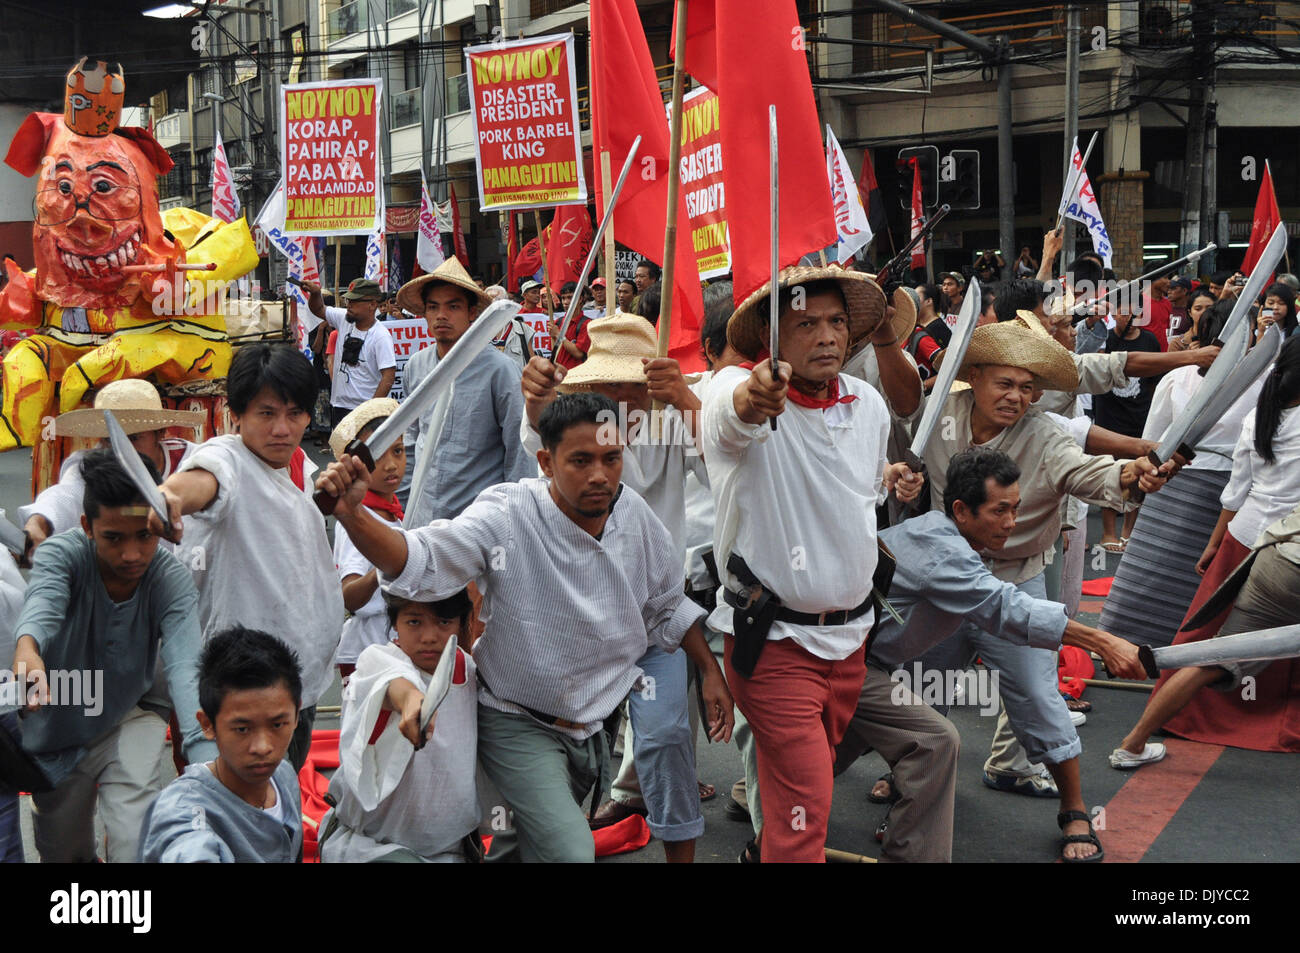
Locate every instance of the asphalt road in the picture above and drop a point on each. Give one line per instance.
(1202, 804)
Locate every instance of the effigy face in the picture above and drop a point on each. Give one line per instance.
(96, 210)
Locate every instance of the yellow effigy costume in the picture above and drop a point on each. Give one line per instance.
(106, 300)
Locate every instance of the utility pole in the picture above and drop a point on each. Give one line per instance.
(1006, 179)
(1072, 31)
(1193, 212)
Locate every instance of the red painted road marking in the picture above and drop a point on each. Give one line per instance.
(1148, 801)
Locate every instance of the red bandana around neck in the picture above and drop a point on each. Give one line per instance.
(377, 502)
(807, 400)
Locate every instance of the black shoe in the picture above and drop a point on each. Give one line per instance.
(736, 811)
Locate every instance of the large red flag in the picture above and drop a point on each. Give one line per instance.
(626, 102)
(918, 214)
(568, 239)
(872, 199)
(1267, 219)
(760, 59)
(457, 236)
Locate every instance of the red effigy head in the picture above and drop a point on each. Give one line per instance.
(96, 206)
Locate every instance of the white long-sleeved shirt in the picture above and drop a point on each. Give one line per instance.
(261, 559)
(799, 504)
(1262, 493)
(567, 615)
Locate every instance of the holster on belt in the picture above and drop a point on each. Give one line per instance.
(751, 620)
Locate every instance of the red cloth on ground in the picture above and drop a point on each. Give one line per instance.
(631, 833)
(322, 756)
(1269, 721)
(1073, 665)
(1098, 587)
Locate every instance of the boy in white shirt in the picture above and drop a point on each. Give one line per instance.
(405, 795)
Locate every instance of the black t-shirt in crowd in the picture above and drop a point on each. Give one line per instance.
(1124, 410)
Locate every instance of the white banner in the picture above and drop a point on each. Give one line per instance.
(851, 220)
(225, 201)
(409, 336)
(1080, 204)
(377, 258)
(428, 247)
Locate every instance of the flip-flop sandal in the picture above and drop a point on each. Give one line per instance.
(751, 853)
(1065, 817)
(889, 798)
(1115, 547)
(1076, 704)
(707, 791)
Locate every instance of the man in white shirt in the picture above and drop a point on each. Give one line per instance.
(795, 535)
(365, 364)
(578, 578)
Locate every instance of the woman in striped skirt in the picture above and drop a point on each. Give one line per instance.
(1156, 578)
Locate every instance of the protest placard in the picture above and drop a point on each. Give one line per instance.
(329, 150)
(524, 105)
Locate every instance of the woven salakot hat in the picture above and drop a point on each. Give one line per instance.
(411, 295)
(617, 345)
(136, 405)
(1012, 344)
(356, 421)
(747, 328)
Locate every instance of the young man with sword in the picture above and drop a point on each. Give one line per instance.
(579, 579)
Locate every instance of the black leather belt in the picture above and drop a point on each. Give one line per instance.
(740, 602)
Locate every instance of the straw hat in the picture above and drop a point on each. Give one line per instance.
(411, 295)
(1011, 344)
(136, 405)
(356, 421)
(617, 345)
(907, 305)
(1030, 320)
(747, 329)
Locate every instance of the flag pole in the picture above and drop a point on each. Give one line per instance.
(606, 185)
(674, 184)
(546, 283)
(1286, 252)
(1074, 181)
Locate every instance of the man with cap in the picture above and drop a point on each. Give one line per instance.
(1180, 295)
(1006, 365)
(365, 362)
(795, 534)
(469, 439)
(953, 285)
(658, 774)
(138, 408)
(597, 298)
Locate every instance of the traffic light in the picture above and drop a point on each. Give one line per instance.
(959, 179)
(928, 158)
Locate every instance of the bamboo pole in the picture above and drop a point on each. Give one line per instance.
(674, 186)
(606, 185)
(1119, 683)
(834, 856)
(338, 251)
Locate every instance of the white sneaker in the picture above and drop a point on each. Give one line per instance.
(1124, 760)
(1077, 718)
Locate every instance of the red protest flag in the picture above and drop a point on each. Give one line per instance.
(918, 213)
(1267, 219)
(701, 42)
(872, 199)
(457, 236)
(528, 262)
(764, 32)
(626, 102)
(568, 239)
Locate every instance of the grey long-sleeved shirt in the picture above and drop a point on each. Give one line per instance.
(479, 444)
(79, 628)
(941, 582)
